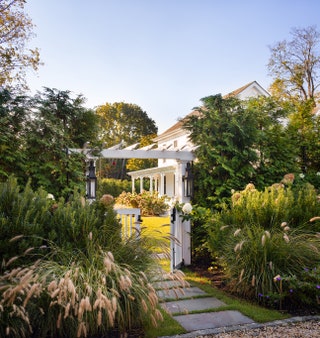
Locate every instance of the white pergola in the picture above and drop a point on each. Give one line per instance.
(156, 175)
(180, 230)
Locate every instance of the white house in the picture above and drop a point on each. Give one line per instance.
(168, 177)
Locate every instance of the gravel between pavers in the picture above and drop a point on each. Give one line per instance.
(293, 328)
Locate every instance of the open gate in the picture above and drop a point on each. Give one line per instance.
(180, 240)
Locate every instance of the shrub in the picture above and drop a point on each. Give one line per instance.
(113, 186)
(65, 268)
(90, 295)
(254, 256)
(265, 234)
(150, 203)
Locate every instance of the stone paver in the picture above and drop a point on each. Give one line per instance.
(188, 305)
(168, 284)
(179, 302)
(180, 293)
(211, 320)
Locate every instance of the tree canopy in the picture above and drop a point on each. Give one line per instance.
(124, 123)
(238, 142)
(35, 134)
(15, 31)
(295, 65)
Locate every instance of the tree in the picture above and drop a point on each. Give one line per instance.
(295, 67)
(124, 123)
(15, 31)
(238, 142)
(277, 150)
(14, 113)
(58, 122)
(138, 163)
(225, 134)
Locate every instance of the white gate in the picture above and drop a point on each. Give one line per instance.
(180, 236)
(130, 219)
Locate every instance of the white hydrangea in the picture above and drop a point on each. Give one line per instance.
(187, 208)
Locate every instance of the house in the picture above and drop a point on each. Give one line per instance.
(169, 177)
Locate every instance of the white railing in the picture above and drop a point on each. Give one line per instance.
(130, 219)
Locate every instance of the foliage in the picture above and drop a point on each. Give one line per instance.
(238, 141)
(59, 122)
(139, 164)
(272, 206)
(150, 203)
(72, 266)
(254, 256)
(224, 135)
(89, 295)
(113, 186)
(295, 65)
(125, 124)
(15, 31)
(277, 149)
(266, 233)
(14, 112)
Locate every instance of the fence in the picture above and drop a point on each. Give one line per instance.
(130, 219)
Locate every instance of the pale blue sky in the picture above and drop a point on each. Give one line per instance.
(163, 55)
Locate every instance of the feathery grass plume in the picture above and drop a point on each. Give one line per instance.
(283, 224)
(237, 232)
(15, 238)
(263, 239)
(253, 280)
(316, 218)
(286, 238)
(11, 260)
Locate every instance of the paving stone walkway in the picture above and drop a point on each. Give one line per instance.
(193, 309)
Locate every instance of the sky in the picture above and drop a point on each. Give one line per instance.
(162, 55)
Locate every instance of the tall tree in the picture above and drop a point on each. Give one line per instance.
(59, 122)
(276, 149)
(15, 31)
(295, 67)
(124, 123)
(14, 114)
(225, 134)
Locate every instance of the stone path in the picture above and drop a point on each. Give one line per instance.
(195, 310)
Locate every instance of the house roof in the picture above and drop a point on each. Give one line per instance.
(242, 91)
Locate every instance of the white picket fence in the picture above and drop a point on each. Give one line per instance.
(130, 218)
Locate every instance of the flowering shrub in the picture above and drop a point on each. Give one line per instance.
(267, 234)
(150, 204)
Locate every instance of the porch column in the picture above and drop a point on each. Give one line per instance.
(161, 184)
(133, 188)
(151, 184)
(141, 183)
